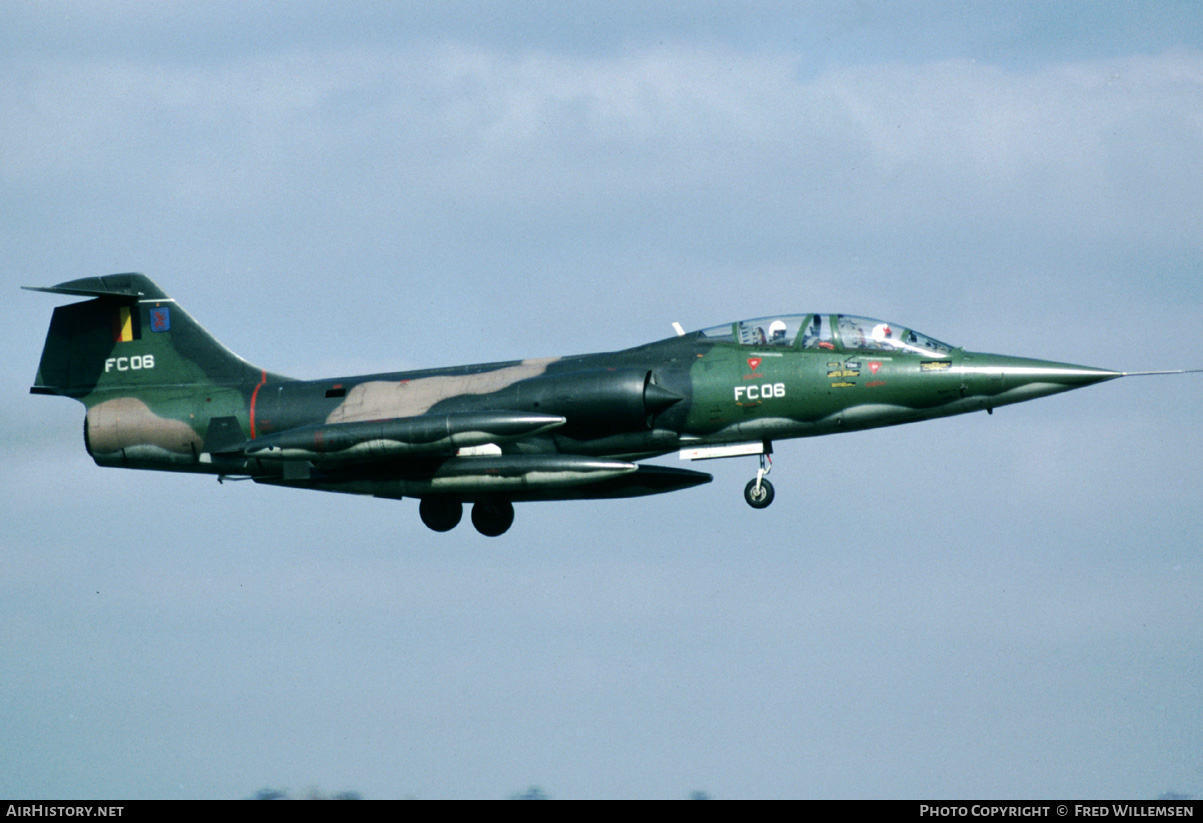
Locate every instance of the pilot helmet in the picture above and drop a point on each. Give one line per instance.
(776, 331)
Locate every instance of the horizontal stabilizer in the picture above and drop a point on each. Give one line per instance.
(428, 434)
(131, 284)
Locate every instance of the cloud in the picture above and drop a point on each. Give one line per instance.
(672, 168)
(461, 119)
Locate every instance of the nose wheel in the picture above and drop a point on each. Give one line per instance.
(759, 492)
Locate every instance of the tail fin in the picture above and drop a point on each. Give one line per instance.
(131, 336)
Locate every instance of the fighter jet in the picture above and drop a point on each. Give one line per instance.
(161, 393)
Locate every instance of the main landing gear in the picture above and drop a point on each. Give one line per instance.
(490, 517)
(441, 513)
(759, 492)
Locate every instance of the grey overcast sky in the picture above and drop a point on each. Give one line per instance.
(986, 606)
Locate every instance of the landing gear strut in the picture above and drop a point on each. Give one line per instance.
(759, 492)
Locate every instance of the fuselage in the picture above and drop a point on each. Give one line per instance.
(707, 392)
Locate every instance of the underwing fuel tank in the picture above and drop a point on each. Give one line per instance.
(547, 477)
(429, 434)
(511, 476)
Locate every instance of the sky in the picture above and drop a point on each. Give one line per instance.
(1002, 606)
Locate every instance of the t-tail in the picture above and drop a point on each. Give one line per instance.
(158, 388)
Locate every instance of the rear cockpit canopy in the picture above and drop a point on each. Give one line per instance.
(843, 332)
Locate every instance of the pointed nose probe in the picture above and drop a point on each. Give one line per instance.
(1014, 372)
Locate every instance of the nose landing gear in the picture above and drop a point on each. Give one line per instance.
(759, 492)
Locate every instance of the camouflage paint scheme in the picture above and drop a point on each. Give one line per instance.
(161, 393)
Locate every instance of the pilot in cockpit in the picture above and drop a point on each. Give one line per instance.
(810, 337)
(777, 333)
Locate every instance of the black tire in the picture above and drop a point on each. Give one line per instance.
(761, 500)
(493, 517)
(442, 514)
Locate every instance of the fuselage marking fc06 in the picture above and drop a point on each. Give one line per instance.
(765, 391)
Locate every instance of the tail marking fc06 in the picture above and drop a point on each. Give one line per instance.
(134, 363)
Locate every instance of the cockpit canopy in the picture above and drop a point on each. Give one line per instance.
(843, 332)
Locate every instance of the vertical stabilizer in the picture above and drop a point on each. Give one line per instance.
(158, 388)
(130, 336)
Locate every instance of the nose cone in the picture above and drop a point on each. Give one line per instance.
(1007, 379)
(1013, 370)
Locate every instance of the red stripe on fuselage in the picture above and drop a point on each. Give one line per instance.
(254, 397)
